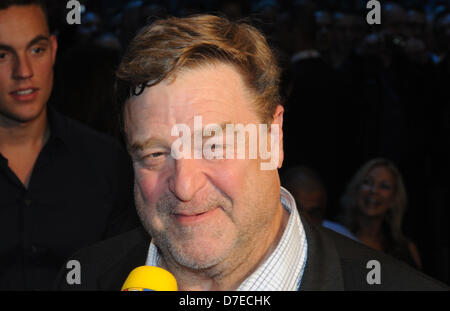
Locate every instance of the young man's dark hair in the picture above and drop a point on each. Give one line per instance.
(43, 4)
(4, 4)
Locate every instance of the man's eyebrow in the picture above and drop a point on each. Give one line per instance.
(156, 141)
(213, 127)
(38, 39)
(6, 48)
(148, 143)
(31, 43)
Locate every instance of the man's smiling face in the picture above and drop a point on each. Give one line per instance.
(200, 212)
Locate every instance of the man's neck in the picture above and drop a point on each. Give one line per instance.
(19, 135)
(21, 143)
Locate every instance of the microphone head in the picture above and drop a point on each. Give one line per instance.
(149, 278)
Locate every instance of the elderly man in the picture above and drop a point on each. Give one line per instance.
(216, 222)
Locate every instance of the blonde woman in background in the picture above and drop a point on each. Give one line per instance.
(374, 205)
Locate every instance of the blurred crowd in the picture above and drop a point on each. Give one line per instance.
(352, 91)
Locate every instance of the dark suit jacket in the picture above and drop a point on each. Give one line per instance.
(334, 263)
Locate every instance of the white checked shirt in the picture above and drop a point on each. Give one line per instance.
(283, 269)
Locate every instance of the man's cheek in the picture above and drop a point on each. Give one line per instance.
(146, 185)
(146, 201)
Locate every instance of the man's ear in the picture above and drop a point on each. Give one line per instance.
(54, 47)
(278, 120)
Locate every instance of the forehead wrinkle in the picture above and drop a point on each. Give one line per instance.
(234, 82)
(222, 126)
(193, 89)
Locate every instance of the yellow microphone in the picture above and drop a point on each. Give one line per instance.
(149, 278)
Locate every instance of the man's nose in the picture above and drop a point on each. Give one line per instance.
(187, 180)
(22, 68)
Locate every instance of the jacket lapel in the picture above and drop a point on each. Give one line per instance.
(323, 270)
(134, 256)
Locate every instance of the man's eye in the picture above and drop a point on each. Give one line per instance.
(214, 146)
(153, 160)
(38, 50)
(3, 55)
(154, 156)
(157, 154)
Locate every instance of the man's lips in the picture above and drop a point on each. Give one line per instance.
(193, 218)
(25, 94)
